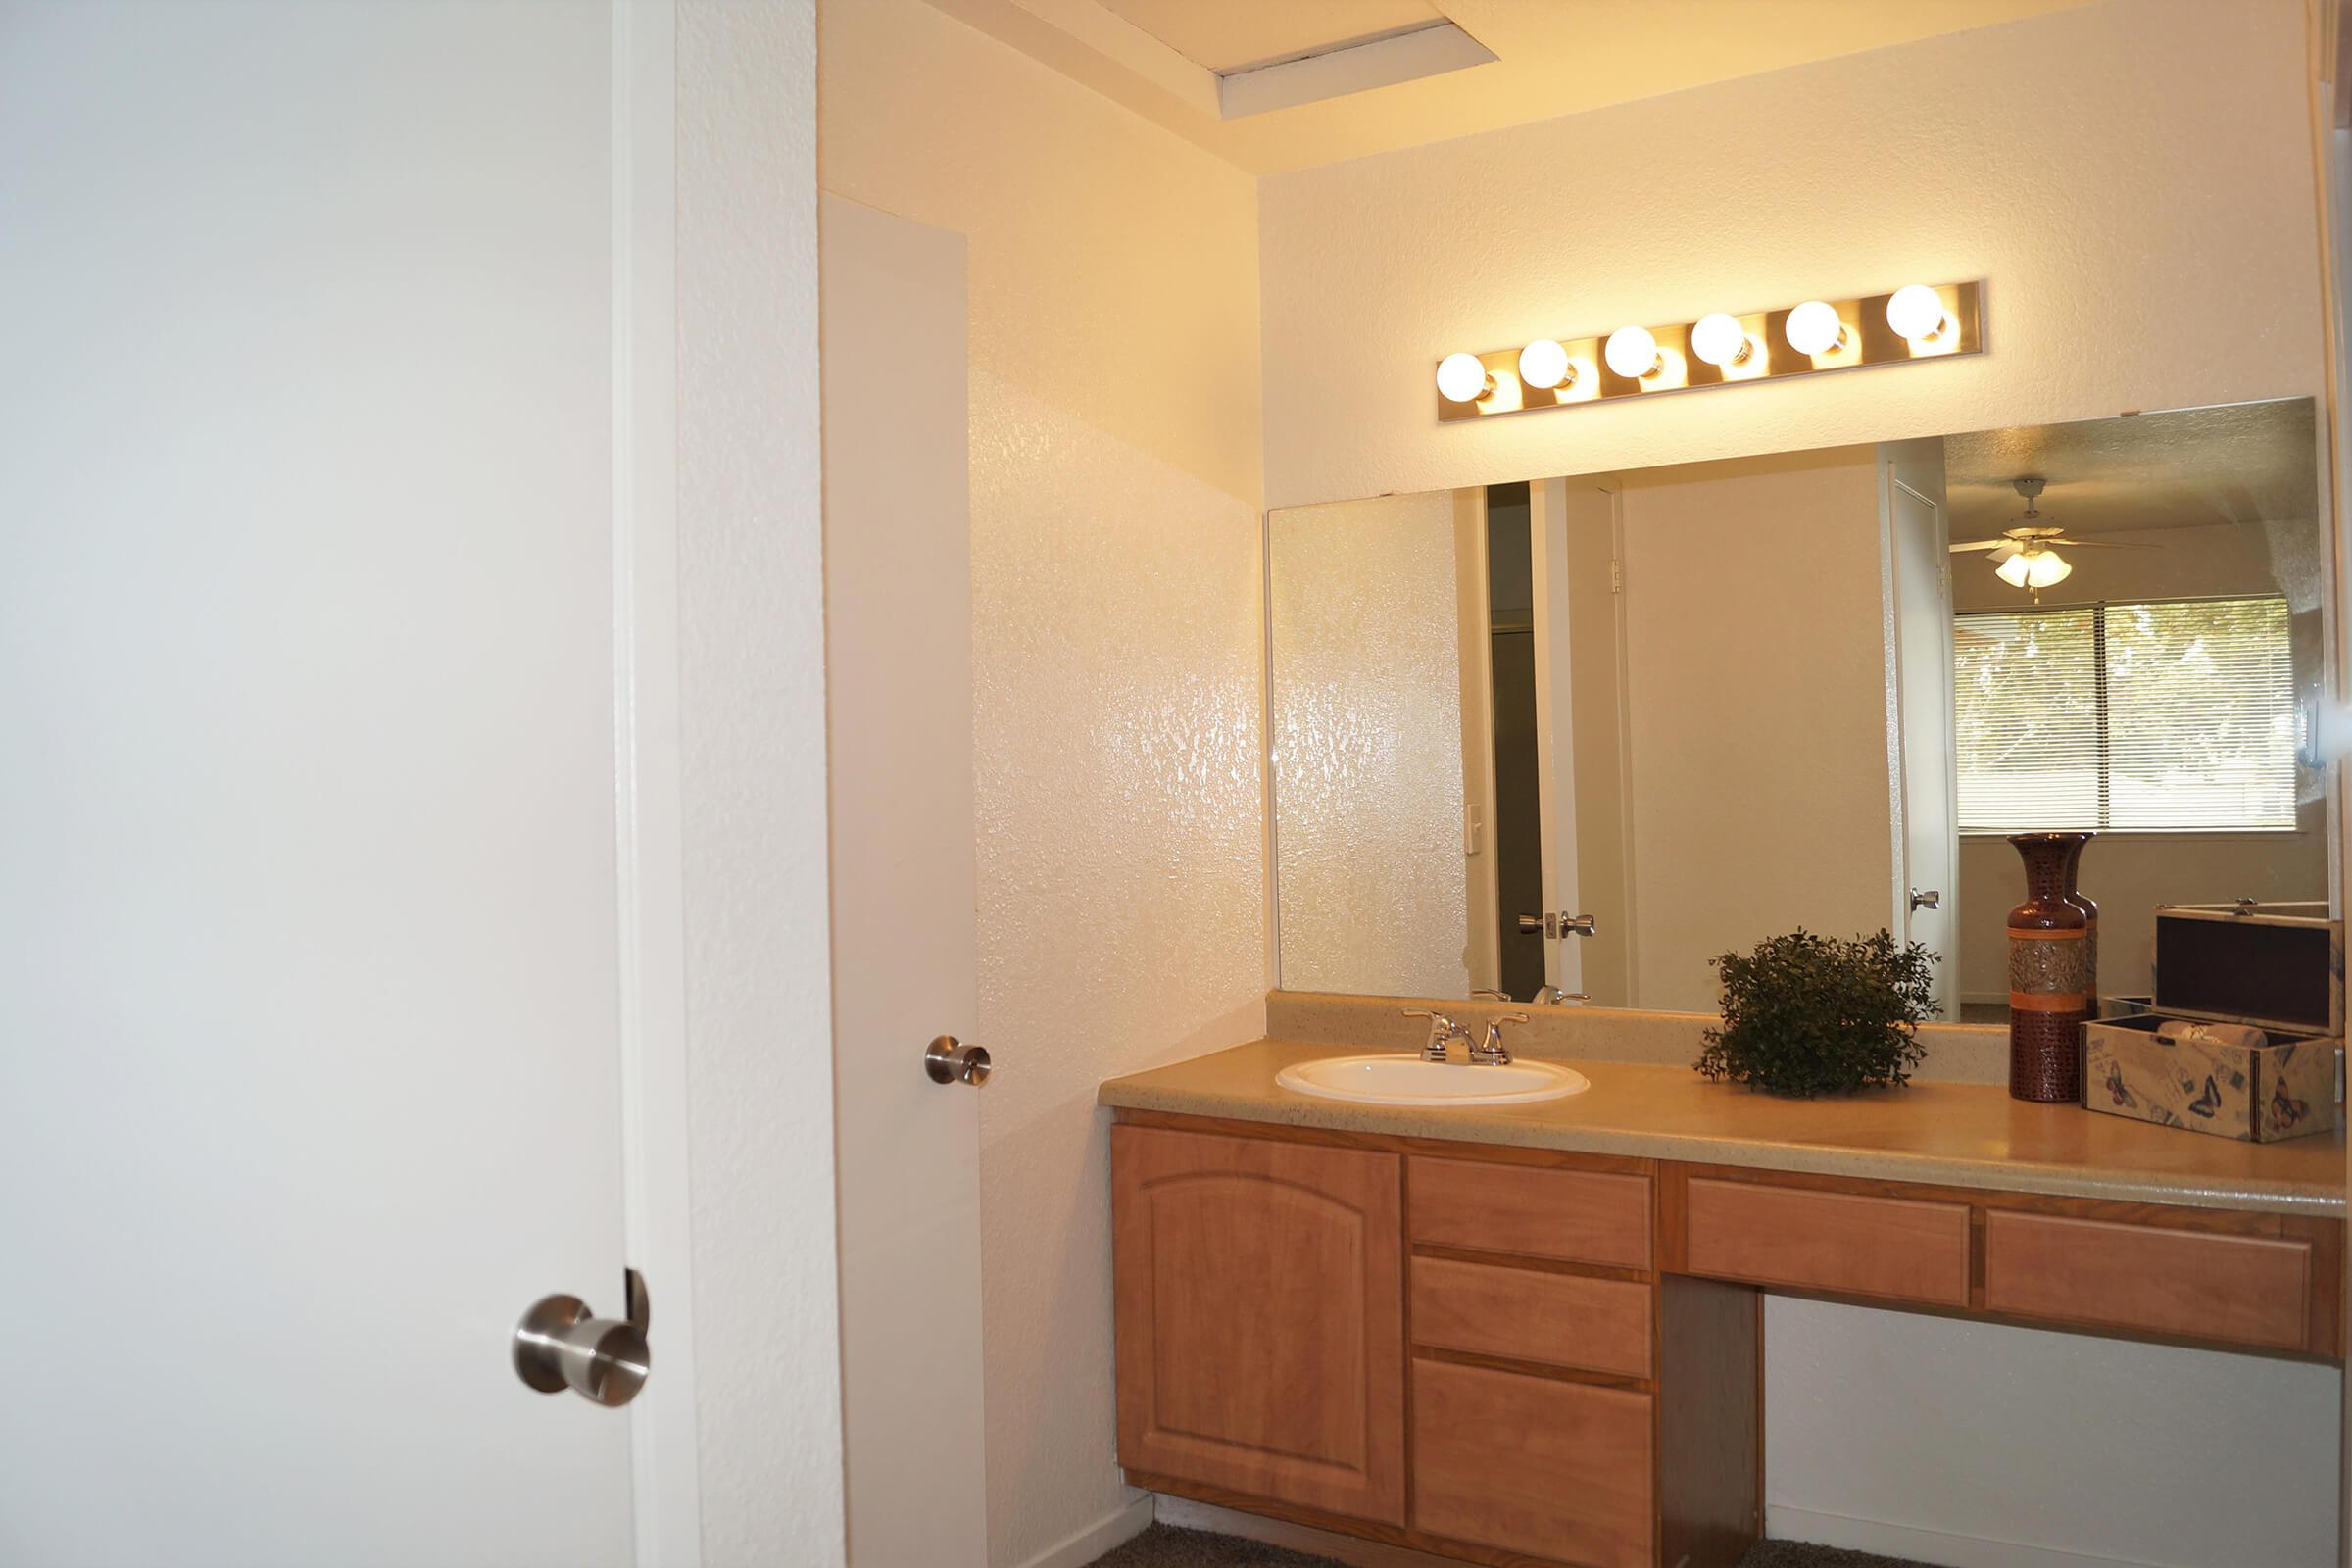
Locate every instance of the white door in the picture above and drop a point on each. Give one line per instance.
(1926, 893)
(1579, 737)
(309, 1026)
(899, 696)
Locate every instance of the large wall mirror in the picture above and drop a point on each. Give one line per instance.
(1571, 737)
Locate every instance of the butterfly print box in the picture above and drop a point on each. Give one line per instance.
(2277, 968)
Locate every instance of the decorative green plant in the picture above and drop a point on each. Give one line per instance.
(1807, 1015)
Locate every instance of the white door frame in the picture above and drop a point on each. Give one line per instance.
(649, 817)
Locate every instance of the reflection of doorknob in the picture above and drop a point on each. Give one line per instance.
(559, 1345)
(1556, 925)
(949, 1059)
(1933, 899)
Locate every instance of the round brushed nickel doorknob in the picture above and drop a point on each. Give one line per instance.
(949, 1059)
(561, 1345)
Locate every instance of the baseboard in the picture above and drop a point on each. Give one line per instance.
(1926, 1546)
(1120, 1525)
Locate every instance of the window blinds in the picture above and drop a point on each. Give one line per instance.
(2173, 715)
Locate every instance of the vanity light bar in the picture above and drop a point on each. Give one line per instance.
(1918, 322)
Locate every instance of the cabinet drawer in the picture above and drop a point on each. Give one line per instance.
(1579, 1216)
(2244, 1289)
(1556, 1470)
(1898, 1248)
(1563, 1319)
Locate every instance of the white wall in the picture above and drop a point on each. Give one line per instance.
(2134, 179)
(1756, 671)
(1115, 496)
(752, 717)
(1367, 739)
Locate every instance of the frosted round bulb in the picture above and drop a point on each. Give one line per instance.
(1719, 339)
(1632, 352)
(1813, 327)
(1916, 312)
(1544, 365)
(1461, 378)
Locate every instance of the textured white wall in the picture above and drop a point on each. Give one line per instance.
(2133, 179)
(751, 718)
(1115, 494)
(1367, 741)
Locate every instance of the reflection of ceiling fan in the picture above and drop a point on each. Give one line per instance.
(2021, 557)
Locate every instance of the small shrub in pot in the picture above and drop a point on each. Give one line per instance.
(1806, 1014)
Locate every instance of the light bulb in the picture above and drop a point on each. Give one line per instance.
(1544, 365)
(1463, 378)
(1813, 327)
(1719, 339)
(1916, 314)
(1632, 352)
(2013, 570)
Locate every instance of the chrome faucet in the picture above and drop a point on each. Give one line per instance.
(1443, 1032)
(1492, 1051)
(1551, 993)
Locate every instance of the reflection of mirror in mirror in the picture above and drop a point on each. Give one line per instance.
(1577, 736)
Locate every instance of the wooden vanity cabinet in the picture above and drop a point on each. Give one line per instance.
(1525, 1357)
(1259, 1293)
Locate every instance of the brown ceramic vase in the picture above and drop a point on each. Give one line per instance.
(2050, 958)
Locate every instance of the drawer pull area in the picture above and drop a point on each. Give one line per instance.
(1575, 1216)
(2240, 1289)
(1902, 1249)
(1558, 1319)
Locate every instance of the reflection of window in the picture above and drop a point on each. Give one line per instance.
(2175, 714)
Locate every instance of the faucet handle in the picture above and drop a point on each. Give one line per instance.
(1488, 994)
(1492, 1051)
(1443, 1031)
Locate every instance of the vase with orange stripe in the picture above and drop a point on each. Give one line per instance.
(2050, 956)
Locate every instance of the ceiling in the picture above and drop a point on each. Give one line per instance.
(1234, 35)
(1176, 61)
(2249, 462)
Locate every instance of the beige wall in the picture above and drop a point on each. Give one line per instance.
(2134, 181)
(2131, 179)
(1367, 738)
(1756, 667)
(1115, 496)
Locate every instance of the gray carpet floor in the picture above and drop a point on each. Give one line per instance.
(1164, 1547)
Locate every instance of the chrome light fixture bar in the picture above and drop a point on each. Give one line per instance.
(1804, 339)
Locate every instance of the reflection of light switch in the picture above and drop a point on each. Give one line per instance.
(1469, 831)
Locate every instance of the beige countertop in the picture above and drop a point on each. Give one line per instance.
(1949, 1134)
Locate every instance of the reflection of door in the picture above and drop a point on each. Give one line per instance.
(1509, 638)
(312, 978)
(1911, 476)
(899, 662)
(1580, 750)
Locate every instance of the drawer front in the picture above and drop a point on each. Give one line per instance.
(1898, 1248)
(1579, 1216)
(2241, 1289)
(1562, 1319)
(1556, 1470)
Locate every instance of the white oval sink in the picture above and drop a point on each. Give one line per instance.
(1407, 1080)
